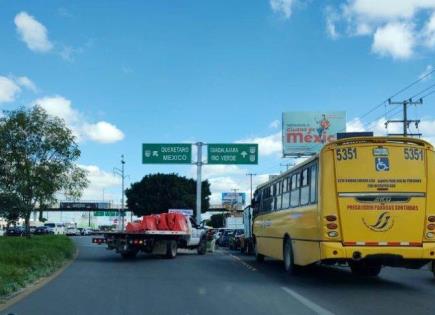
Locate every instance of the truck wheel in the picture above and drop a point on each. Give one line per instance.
(258, 257)
(171, 249)
(289, 261)
(364, 269)
(202, 246)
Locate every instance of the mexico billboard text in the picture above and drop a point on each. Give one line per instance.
(305, 133)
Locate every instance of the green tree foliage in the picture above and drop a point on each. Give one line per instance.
(10, 207)
(217, 220)
(37, 159)
(157, 193)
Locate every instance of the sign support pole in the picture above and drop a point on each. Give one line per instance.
(198, 182)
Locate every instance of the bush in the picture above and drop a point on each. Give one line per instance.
(24, 260)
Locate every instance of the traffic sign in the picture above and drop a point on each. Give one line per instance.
(245, 153)
(166, 153)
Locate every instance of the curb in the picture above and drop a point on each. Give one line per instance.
(26, 291)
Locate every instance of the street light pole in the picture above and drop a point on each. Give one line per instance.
(120, 172)
(250, 175)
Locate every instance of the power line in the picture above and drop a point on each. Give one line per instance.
(422, 91)
(430, 93)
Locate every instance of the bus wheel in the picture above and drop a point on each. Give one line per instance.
(289, 262)
(361, 268)
(258, 257)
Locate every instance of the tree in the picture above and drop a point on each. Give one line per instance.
(37, 159)
(157, 193)
(10, 207)
(217, 220)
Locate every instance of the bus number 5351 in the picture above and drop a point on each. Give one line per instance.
(344, 154)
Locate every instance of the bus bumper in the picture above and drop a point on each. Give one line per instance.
(336, 250)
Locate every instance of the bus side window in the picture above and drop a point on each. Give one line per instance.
(313, 183)
(305, 189)
(294, 195)
(286, 194)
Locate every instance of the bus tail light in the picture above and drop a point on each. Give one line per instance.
(331, 226)
(429, 235)
(431, 218)
(331, 218)
(431, 227)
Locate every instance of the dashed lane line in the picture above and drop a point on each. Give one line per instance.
(251, 268)
(311, 305)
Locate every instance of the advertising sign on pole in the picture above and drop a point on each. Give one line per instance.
(305, 133)
(233, 199)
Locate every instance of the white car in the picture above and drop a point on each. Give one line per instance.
(55, 228)
(73, 231)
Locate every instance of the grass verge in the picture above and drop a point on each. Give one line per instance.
(24, 260)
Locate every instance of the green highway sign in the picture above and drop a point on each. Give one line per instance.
(166, 153)
(243, 153)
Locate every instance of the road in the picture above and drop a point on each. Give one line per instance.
(100, 282)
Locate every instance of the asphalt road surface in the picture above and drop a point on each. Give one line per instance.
(101, 282)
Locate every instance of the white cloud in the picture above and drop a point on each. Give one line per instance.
(332, 17)
(100, 180)
(32, 32)
(394, 39)
(427, 73)
(283, 7)
(27, 83)
(395, 28)
(268, 145)
(355, 125)
(275, 124)
(61, 107)
(103, 132)
(8, 90)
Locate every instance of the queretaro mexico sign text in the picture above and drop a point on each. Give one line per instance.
(166, 153)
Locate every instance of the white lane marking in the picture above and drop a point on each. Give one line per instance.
(311, 305)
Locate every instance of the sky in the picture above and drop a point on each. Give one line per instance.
(123, 73)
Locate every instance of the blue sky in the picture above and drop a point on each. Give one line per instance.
(124, 73)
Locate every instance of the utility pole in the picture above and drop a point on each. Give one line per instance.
(198, 182)
(235, 198)
(120, 172)
(405, 121)
(250, 175)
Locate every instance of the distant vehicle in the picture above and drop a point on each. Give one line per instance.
(15, 231)
(55, 228)
(234, 240)
(224, 239)
(88, 231)
(81, 231)
(42, 230)
(32, 229)
(246, 240)
(72, 231)
(367, 201)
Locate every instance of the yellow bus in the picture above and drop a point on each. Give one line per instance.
(367, 201)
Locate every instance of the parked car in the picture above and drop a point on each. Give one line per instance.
(32, 229)
(15, 231)
(88, 231)
(42, 230)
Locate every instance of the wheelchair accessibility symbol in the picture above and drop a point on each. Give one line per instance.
(382, 164)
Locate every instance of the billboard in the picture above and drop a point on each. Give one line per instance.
(305, 133)
(233, 199)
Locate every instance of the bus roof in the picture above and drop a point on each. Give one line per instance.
(355, 140)
(378, 140)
